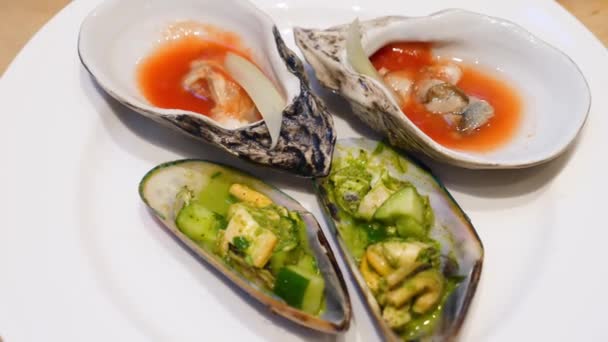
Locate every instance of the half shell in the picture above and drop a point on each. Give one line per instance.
(539, 72)
(159, 190)
(451, 228)
(116, 35)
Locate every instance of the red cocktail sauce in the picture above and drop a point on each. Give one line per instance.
(160, 75)
(413, 57)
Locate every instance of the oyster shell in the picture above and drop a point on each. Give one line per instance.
(451, 228)
(162, 191)
(488, 42)
(117, 34)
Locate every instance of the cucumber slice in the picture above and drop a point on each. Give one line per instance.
(216, 196)
(307, 264)
(405, 202)
(409, 227)
(198, 223)
(372, 201)
(278, 260)
(300, 289)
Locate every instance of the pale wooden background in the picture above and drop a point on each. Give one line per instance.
(20, 19)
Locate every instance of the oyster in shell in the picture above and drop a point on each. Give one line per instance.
(118, 34)
(545, 128)
(413, 252)
(214, 210)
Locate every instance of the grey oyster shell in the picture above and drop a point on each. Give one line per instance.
(325, 50)
(490, 42)
(111, 44)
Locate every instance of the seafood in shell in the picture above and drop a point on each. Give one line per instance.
(414, 254)
(186, 196)
(111, 43)
(488, 42)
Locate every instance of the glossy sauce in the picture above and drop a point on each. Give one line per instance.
(413, 57)
(160, 75)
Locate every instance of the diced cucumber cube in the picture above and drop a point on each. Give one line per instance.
(198, 223)
(300, 289)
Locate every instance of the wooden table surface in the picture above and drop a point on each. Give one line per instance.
(19, 20)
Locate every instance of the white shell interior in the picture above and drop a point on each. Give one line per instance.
(555, 95)
(118, 34)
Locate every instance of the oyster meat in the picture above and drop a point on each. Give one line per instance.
(233, 108)
(262, 240)
(413, 252)
(305, 141)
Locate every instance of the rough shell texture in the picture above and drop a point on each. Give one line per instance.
(325, 51)
(159, 188)
(451, 228)
(307, 136)
(111, 44)
(493, 44)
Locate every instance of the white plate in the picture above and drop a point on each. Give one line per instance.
(82, 260)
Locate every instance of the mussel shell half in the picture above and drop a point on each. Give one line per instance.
(158, 189)
(111, 42)
(452, 229)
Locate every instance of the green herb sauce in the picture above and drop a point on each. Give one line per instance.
(353, 177)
